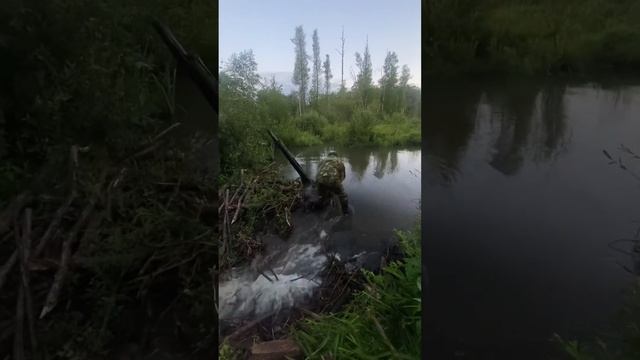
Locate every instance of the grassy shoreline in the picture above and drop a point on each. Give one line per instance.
(383, 319)
(532, 37)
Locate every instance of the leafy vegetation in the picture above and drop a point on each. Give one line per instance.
(531, 36)
(93, 76)
(383, 321)
(388, 114)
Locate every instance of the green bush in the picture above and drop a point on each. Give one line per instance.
(533, 37)
(383, 321)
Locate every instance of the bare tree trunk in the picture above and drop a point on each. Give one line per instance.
(382, 88)
(342, 62)
(300, 94)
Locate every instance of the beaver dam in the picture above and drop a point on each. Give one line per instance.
(307, 261)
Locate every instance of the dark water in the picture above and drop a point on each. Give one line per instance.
(383, 186)
(519, 205)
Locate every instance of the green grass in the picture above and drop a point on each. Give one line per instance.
(382, 322)
(364, 128)
(533, 37)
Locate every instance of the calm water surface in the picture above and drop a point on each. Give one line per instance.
(519, 205)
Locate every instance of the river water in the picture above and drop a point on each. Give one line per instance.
(383, 187)
(519, 205)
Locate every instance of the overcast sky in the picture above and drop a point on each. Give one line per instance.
(266, 27)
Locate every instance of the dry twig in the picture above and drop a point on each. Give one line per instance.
(54, 291)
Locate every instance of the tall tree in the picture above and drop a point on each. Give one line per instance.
(241, 74)
(389, 80)
(301, 67)
(341, 52)
(327, 76)
(317, 68)
(404, 81)
(364, 77)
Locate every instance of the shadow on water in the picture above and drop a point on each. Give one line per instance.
(514, 109)
(520, 211)
(449, 127)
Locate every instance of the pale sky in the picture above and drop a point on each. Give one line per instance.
(266, 27)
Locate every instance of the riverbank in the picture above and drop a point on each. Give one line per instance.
(360, 314)
(366, 242)
(364, 128)
(543, 37)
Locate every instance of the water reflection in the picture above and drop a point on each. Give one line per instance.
(519, 121)
(520, 208)
(383, 187)
(386, 162)
(514, 109)
(359, 162)
(449, 126)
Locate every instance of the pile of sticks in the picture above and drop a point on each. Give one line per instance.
(33, 238)
(269, 196)
(48, 231)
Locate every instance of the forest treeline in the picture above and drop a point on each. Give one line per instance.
(87, 73)
(386, 112)
(531, 37)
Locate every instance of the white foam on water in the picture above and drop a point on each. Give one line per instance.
(250, 294)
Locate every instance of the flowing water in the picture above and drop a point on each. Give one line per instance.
(383, 187)
(520, 204)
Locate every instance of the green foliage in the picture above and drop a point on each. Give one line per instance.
(226, 352)
(356, 117)
(326, 66)
(85, 72)
(241, 141)
(363, 83)
(383, 321)
(301, 67)
(95, 73)
(316, 82)
(360, 126)
(532, 37)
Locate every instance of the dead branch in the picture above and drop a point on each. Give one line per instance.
(53, 225)
(54, 291)
(24, 249)
(239, 206)
(152, 145)
(265, 275)
(18, 340)
(55, 222)
(235, 193)
(165, 132)
(225, 224)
